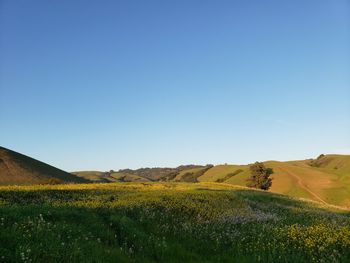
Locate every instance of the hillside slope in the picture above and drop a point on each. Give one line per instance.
(19, 169)
(325, 179)
(110, 177)
(183, 173)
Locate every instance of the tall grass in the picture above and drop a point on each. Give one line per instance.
(168, 222)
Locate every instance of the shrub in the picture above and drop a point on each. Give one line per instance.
(318, 162)
(53, 181)
(320, 156)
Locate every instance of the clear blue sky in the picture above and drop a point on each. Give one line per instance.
(115, 84)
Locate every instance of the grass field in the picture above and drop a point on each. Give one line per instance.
(167, 222)
(327, 180)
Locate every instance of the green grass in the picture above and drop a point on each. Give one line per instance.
(89, 175)
(125, 177)
(327, 179)
(218, 172)
(167, 222)
(98, 177)
(183, 175)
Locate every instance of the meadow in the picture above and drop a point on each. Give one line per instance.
(325, 179)
(167, 222)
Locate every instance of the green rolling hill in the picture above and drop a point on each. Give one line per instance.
(183, 173)
(325, 179)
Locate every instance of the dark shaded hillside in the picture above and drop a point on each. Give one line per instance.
(19, 169)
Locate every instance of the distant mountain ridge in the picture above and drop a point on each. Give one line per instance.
(19, 169)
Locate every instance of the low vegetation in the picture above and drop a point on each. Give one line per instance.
(318, 161)
(228, 176)
(167, 222)
(192, 175)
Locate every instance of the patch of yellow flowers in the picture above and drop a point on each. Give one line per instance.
(320, 235)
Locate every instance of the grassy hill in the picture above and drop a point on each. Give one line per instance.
(325, 179)
(183, 173)
(19, 169)
(94, 176)
(167, 222)
(220, 172)
(191, 175)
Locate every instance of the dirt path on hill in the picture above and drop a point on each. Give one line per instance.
(300, 183)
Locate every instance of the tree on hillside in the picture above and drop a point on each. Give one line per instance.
(260, 176)
(318, 161)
